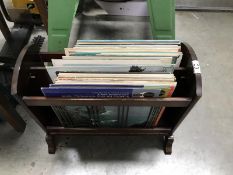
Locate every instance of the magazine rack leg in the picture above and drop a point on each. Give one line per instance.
(168, 141)
(51, 144)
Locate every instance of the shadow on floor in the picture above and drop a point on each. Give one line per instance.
(110, 27)
(111, 148)
(8, 134)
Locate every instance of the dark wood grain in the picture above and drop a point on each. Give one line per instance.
(51, 144)
(168, 142)
(189, 84)
(46, 101)
(10, 115)
(20, 74)
(107, 131)
(195, 90)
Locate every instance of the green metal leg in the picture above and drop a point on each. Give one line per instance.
(162, 18)
(60, 17)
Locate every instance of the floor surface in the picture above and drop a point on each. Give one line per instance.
(203, 143)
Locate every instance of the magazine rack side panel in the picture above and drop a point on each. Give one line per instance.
(25, 82)
(189, 85)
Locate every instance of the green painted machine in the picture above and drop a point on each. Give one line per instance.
(61, 14)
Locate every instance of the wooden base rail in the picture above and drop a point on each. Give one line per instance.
(56, 131)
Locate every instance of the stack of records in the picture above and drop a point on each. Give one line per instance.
(114, 69)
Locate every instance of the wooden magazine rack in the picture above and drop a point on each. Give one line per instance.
(30, 75)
